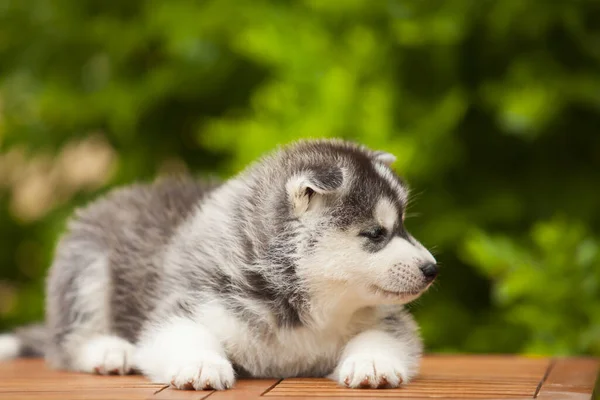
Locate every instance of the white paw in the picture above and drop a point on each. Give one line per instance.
(9, 347)
(106, 355)
(368, 371)
(213, 372)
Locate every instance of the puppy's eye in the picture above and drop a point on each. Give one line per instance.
(376, 234)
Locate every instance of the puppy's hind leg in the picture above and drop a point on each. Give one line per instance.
(79, 314)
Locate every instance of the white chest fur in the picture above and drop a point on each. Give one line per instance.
(280, 352)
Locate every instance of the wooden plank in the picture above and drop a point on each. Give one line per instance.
(484, 366)
(572, 378)
(442, 377)
(573, 372)
(243, 389)
(168, 393)
(246, 389)
(77, 395)
(27, 379)
(467, 389)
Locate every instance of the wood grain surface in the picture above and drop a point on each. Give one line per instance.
(442, 377)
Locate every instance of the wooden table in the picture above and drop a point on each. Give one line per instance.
(442, 377)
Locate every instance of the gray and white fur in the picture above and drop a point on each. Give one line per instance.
(297, 267)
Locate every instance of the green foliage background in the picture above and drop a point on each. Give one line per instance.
(492, 108)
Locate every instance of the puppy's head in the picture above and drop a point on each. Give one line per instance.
(350, 207)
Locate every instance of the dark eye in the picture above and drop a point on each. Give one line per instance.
(376, 234)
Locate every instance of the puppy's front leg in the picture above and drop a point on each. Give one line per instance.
(377, 359)
(185, 354)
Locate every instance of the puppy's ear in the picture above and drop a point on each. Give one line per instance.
(384, 157)
(305, 189)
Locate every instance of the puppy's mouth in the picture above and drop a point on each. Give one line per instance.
(410, 295)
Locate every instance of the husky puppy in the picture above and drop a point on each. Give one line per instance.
(297, 267)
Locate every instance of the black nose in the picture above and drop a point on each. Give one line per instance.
(430, 271)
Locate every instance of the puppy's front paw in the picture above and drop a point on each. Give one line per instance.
(209, 373)
(368, 371)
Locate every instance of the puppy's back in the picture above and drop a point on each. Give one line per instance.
(107, 265)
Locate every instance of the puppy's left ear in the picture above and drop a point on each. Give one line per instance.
(384, 157)
(306, 189)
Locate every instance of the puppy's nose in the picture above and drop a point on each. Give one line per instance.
(430, 271)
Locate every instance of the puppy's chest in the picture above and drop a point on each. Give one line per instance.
(285, 353)
(277, 352)
(263, 350)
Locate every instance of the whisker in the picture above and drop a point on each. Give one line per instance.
(412, 215)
